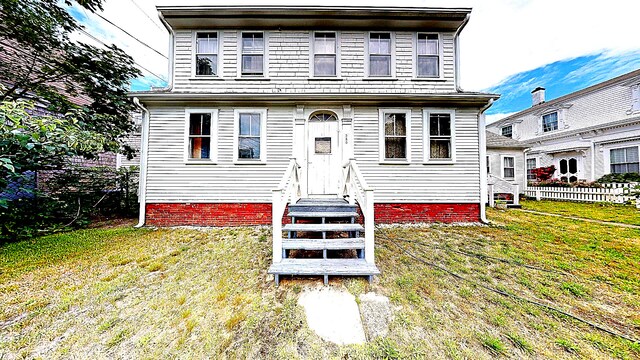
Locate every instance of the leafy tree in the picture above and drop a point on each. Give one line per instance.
(43, 63)
(34, 142)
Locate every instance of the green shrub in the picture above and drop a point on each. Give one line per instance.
(620, 178)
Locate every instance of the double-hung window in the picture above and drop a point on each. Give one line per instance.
(250, 138)
(201, 135)
(624, 160)
(395, 134)
(439, 137)
(206, 61)
(324, 54)
(380, 54)
(550, 122)
(428, 56)
(531, 165)
(252, 58)
(507, 131)
(508, 167)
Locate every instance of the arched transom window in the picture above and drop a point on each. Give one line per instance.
(323, 116)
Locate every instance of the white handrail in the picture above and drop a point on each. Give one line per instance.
(288, 191)
(355, 187)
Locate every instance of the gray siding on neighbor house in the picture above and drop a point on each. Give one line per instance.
(170, 179)
(288, 66)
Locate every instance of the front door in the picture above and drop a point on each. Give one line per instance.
(569, 168)
(323, 156)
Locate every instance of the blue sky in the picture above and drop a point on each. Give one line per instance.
(560, 78)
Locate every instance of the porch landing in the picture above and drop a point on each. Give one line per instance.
(320, 226)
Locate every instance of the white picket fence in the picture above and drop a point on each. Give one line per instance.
(614, 193)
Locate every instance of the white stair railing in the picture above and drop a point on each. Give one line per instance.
(355, 187)
(499, 185)
(288, 191)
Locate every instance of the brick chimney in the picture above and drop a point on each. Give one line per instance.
(537, 96)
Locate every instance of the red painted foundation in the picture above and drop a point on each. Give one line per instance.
(224, 214)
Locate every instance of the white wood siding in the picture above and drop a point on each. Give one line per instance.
(289, 66)
(171, 180)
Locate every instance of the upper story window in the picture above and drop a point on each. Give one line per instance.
(201, 138)
(380, 54)
(206, 53)
(324, 54)
(250, 139)
(428, 55)
(252, 46)
(507, 131)
(624, 160)
(508, 167)
(550, 122)
(439, 138)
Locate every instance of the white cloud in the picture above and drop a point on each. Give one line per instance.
(504, 37)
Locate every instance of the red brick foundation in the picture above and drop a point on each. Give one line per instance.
(415, 213)
(224, 214)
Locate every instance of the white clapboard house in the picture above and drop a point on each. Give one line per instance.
(323, 118)
(585, 134)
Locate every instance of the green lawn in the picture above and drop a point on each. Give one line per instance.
(187, 293)
(626, 214)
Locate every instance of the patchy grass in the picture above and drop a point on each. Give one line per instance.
(182, 293)
(626, 214)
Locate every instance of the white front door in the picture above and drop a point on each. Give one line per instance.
(323, 156)
(569, 168)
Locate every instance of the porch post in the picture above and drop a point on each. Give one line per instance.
(299, 146)
(369, 227)
(276, 222)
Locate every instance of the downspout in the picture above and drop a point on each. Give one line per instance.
(593, 160)
(482, 138)
(172, 36)
(142, 186)
(456, 56)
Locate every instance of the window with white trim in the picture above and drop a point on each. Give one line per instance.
(531, 165)
(206, 55)
(252, 58)
(508, 167)
(440, 135)
(550, 122)
(624, 160)
(201, 140)
(324, 54)
(250, 135)
(380, 54)
(428, 56)
(395, 136)
(507, 131)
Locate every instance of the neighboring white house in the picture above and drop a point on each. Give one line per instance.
(357, 101)
(505, 164)
(585, 134)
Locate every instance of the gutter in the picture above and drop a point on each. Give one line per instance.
(144, 151)
(172, 36)
(482, 139)
(456, 51)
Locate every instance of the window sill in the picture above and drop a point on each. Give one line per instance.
(439, 162)
(394, 162)
(325, 78)
(380, 78)
(250, 162)
(427, 79)
(206, 78)
(252, 78)
(200, 162)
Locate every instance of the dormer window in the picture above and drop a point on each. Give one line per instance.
(206, 61)
(252, 62)
(550, 122)
(428, 56)
(507, 131)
